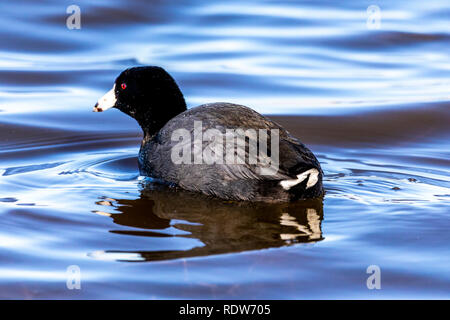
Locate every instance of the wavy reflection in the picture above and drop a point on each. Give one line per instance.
(222, 227)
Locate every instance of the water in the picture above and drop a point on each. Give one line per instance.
(373, 105)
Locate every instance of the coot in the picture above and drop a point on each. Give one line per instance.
(220, 149)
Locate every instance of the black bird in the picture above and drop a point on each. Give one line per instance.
(219, 149)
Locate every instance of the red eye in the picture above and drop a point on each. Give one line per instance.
(123, 86)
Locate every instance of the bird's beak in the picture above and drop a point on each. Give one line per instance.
(107, 101)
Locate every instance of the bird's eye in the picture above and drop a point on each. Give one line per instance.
(123, 86)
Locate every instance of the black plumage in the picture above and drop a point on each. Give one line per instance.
(152, 97)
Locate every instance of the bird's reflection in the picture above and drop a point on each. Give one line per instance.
(223, 227)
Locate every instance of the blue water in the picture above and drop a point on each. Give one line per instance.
(372, 104)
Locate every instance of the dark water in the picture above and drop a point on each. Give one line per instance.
(372, 104)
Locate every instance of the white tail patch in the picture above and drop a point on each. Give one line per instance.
(312, 179)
